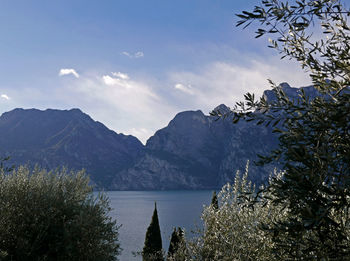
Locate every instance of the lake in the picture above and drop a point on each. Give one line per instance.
(134, 209)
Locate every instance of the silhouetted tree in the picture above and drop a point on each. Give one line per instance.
(214, 201)
(152, 249)
(177, 238)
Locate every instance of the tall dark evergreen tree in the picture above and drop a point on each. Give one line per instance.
(177, 237)
(152, 250)
(214, 201)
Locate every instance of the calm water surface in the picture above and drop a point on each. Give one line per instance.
(134, 209)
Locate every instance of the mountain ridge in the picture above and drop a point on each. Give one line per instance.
(194, 151)
(52, 138)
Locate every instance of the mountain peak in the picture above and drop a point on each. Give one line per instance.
(222, 108)
(284, 85)
(291, 92)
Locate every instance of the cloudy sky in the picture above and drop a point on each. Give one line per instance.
(132, 64)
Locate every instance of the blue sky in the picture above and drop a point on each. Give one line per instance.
(132, 64)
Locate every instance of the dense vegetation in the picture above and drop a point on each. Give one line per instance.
(233, 231)
(314, 141)
(303, 212)
(54, 216)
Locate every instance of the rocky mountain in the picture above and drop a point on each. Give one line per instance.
(291, 92)
(54, 138)
(195, 151)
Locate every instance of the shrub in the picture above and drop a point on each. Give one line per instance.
(54, 216)
(233, 231)
(240, 228)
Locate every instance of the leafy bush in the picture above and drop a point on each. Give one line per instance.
(233, 230)
(239, 229)
(54, 216)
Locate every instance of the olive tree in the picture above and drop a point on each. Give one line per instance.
(233, 231)
(314, 141)
(54, 216)
(239, 230)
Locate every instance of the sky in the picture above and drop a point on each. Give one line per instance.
(132, 64)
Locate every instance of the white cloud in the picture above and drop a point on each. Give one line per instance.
(141, 133)
(223, 82)
(133, 55)
(119, 78)
(127, 86)
(122, 103)
(120, 75)
(126, 54)
(4, 96)
(68, 71)
(187, 89)
(141, 106)
(108, 80)
(117, 82)
(138, 54)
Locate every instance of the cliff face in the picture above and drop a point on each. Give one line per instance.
(197, 152)
(54, 138)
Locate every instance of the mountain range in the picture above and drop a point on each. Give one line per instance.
(70, 138)
(195, 151)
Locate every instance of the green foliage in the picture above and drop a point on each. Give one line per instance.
(54, 216)
(233, 231)
(152, 250)
(238, 230)
(314, 137)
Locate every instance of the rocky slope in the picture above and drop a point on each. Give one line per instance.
(197, 152)
(54, 138)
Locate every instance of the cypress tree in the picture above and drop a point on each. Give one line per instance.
(177, 238)
(152, 250)
(214, 201)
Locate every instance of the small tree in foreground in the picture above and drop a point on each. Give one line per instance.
(54, 216)
(152, 250)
